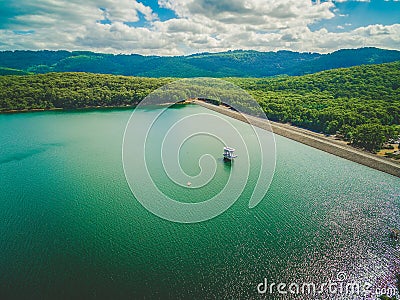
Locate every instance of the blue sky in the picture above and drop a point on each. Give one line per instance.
(363, 13)
(180, 27)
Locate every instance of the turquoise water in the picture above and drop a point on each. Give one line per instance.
(70, 226)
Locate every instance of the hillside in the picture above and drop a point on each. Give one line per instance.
(225, 64)
(9, 71)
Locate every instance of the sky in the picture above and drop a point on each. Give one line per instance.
(182, 27)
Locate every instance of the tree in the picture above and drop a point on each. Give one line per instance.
(369, 136)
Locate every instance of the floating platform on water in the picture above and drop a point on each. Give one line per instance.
(229, 153)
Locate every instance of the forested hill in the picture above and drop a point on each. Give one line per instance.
(225, 64)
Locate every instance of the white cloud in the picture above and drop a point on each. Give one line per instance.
(255, 12)
(126, 11)
(200, 25)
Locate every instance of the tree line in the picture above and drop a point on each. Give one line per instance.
(238, 63)
(74, 90)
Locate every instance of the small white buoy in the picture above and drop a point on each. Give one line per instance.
(189, 183)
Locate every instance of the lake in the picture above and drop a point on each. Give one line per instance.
(71, 227)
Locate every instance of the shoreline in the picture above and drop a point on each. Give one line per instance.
(18, 111)
(313, 139)
(32, 110)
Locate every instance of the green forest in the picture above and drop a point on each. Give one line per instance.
(361, 104)
(238, 63)
(74, 90)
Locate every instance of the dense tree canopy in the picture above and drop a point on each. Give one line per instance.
(237, 63)
(74, 90)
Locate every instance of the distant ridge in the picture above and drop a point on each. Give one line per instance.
(238, 63)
